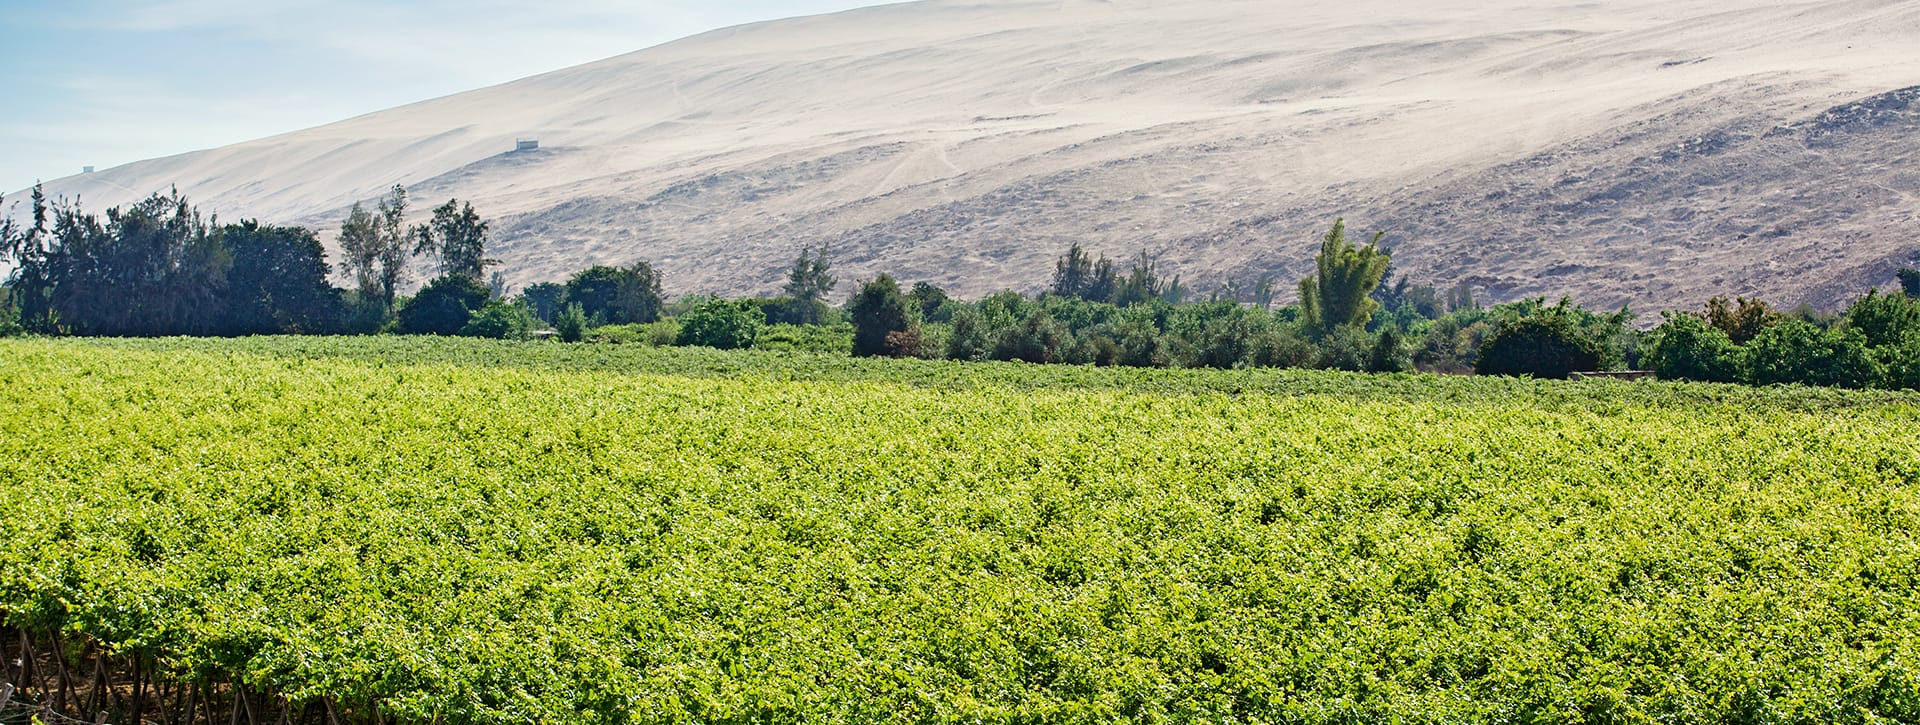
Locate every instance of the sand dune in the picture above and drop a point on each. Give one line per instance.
(1617, 151)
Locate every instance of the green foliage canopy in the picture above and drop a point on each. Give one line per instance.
(1340, 292)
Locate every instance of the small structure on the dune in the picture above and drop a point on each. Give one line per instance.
(526, 144)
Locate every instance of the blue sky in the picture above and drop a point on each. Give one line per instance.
(107, 82)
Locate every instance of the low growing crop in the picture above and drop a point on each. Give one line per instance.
(469, 531)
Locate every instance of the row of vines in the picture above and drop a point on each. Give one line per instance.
(419, 531)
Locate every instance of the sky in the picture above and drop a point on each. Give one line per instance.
(108, 82)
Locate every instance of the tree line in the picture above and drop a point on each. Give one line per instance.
(159, 268)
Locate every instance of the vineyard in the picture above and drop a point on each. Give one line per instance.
(413, 530)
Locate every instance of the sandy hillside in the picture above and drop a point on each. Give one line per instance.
(1617, 151)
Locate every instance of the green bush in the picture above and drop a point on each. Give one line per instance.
(837, 338)
(657, 334)
(1795, 351)
(1884, 319)
(10, 320)
(722, 324)
(1900, 365)
(444, 306)
(1347, 347)
(882, 320)
(1279, 346)
(571, 323)
(1037, 339)
(501, 320)
(970, 337)
(1390, 352)
(1686, 347)
(1544, 345)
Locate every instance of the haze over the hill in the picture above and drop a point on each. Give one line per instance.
(1619, 151)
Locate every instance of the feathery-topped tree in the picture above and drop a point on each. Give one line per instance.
(1340, 292)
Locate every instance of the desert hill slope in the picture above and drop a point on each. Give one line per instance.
(1652, 152)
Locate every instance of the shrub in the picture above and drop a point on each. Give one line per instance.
(1037, 339)
(617, 294)
(1686, 347)
(836, 338)
(1139, 344)
(969, 338)
(1280, 347)
(365, 315)
(10, 319)
(1544, 345)
(1884, 319)
(444, 306)
(1347, 347)
(571, 323)
(723, 324)
(1223, 343)
(501, 320)
(1741, 319)
(1390, 353)
(1796, 351)
(879, 312)
(1910, 282)
(1900, 365)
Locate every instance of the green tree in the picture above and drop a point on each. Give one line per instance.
(1073, 274)
(1546, 345)
(928, 300)
(1686, 347)
(1885, 320)
(444, 306)
(457, 238)
(971, 337)
(1459, 298)
(1741, 319)
(546, 299)
(723, 324)
(152, 268)
(1036, 339)
(571, 323)
(1142, 284)
(1795, 351)
(278, 282)
(617, 295)
(501, 320)
(1910, 282)
(878, 311)
(1340, 292)
(809, 282)
(1390, 352)
(373, 246)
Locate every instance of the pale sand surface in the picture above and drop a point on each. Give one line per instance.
(1616, 151)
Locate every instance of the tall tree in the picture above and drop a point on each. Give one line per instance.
(809, 282)
(152, 268)
(1078, 274)
(443, 306)
(457, 238)
(1346, 275)
(617, 295)
(1142, 284)
(278, 282)
(546, 299)
(879, 312)
(1071, 273)
(374, 246)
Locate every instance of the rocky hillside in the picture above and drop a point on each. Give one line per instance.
(1623, 151)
